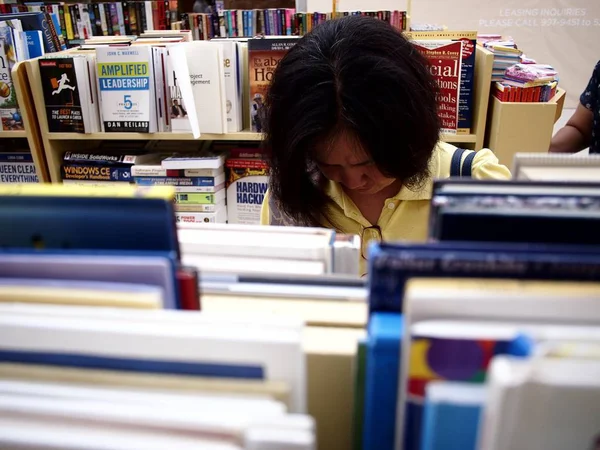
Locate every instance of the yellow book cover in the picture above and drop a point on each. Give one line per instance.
(166, 193)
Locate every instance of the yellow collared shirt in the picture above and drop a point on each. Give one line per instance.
(405, 216)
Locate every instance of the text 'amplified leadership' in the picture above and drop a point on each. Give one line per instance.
(124, 76)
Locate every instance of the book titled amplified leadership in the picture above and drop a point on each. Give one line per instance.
(126, 85)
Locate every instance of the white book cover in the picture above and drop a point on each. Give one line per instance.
(149, 16)
(159, 83)
(126, 85)
(247, 185)
(259, 352)
(103, 23)
(233, 84)
(177, 106)
(184, 219)
(542, 404)
(199, 67)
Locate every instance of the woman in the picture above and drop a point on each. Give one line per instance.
(583, 128)
(352, 129)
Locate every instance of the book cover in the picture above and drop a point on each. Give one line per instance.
(35, 43)
(193, 161)
(61, 95)
(16, 157)
(95, 172)
(435, 357)
(199, 68)
(177, 106)
(126, 89)
(233, 86)
(18, 172)
(263, 56)
(35, 21)
(211, 182)
(445, 66)
(10, 115)
(467, 71)
(247, 183)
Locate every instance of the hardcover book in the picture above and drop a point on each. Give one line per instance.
(263, 56)
(445, 59)
(467, 71)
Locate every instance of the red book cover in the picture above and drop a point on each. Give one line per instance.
(189, 292)
(445, 58)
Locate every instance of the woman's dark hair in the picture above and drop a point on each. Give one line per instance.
(355, 75)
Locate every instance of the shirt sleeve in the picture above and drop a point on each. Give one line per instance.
(486, 167)
(589, 98)
(265, 213)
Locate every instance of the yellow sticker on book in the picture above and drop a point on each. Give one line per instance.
(75, 190)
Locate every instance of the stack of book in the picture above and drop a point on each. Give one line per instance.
(457, 325)
(230, 23)
(527, 83)
(199, 182)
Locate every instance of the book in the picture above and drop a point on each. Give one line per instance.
(200, 72)
(467, 71)
(145, 270)
(186, 218)
(272, 353)
(208, 182)
(263, 56)
(126, 86)
(247, 183)
(61, 88)
(445, 59)
(233, 85)
(193, 161)
(35, 43)
(451, 415)
(195, 198)
(10, 115)
(18, 172)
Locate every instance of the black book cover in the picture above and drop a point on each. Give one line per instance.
(61, 95)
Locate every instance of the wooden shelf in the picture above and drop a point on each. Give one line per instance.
(238, 136)
(459, 138)
(13, 134)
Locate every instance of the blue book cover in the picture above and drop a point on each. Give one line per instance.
(15, 157)
(35, 43)
(454, 359)
(391, 265)
(451, 416)
(203, 369)
(381, 380)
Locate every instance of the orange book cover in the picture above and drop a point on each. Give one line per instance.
(264, 54)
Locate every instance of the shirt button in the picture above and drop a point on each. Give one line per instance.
(391, 205)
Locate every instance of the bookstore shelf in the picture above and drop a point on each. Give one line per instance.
(238, 136)
(25, 97)
(13, 134)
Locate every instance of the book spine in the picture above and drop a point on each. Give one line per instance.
(195, 198)
(208, 217)
(175, 181)
(389, 271)
(154, 171)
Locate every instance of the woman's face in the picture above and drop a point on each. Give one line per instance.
(345, 162)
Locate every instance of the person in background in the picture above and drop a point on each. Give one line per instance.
(352, 129)
(583, 128)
